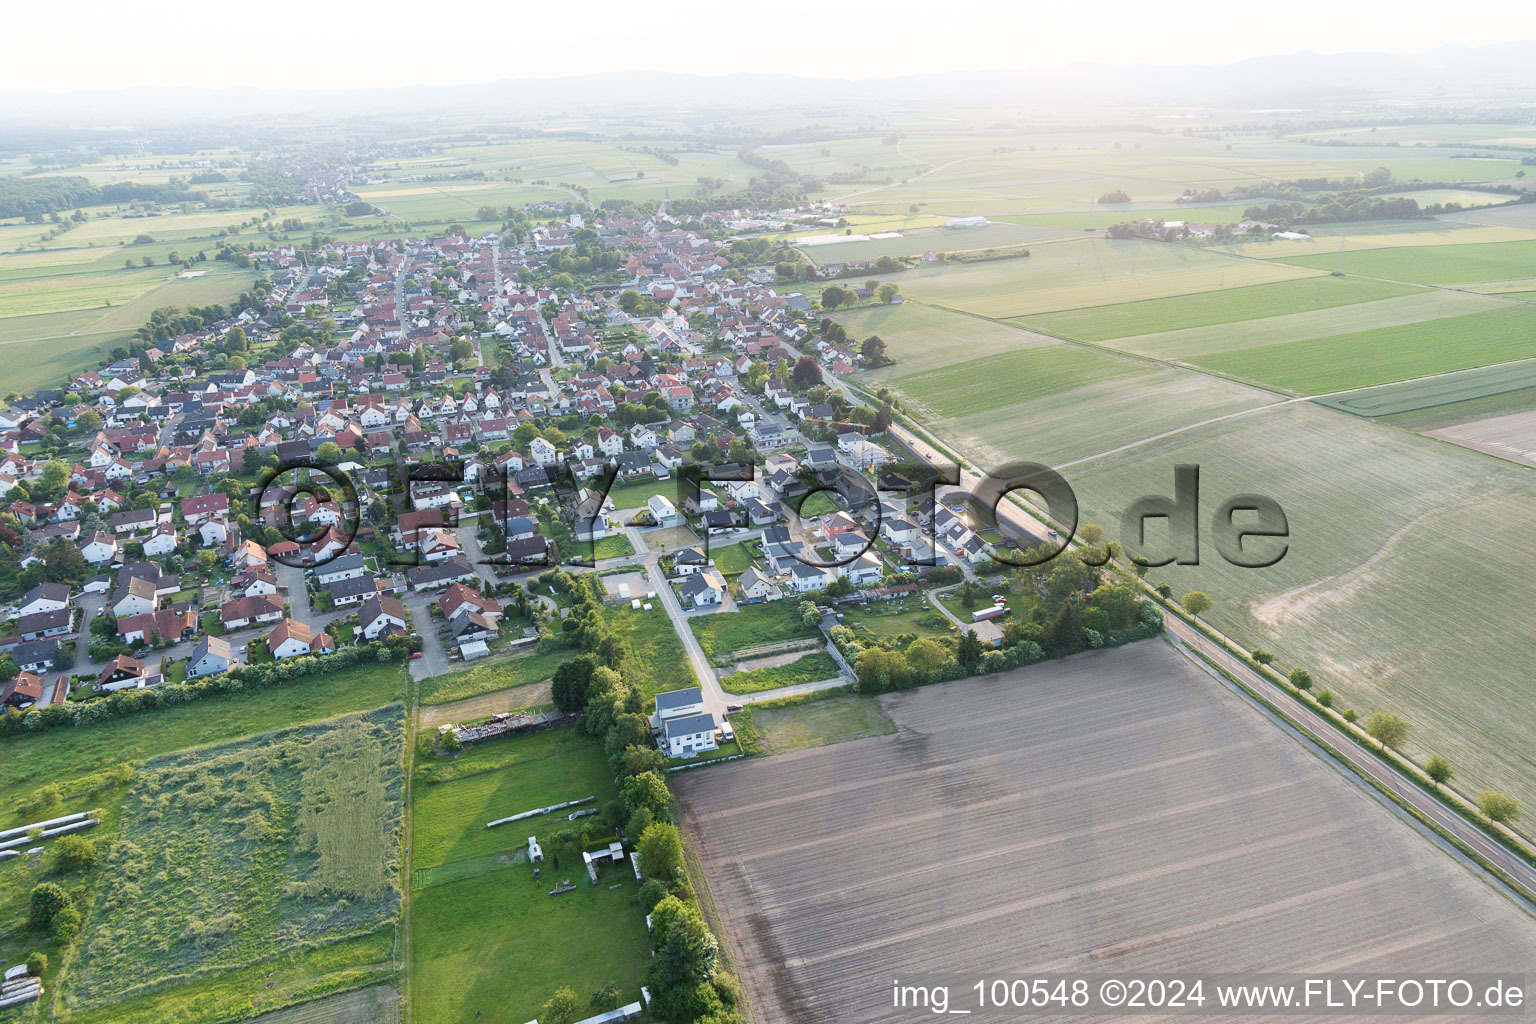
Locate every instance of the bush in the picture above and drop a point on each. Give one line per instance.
(37, 963)
(66, 926)
(74, 853)
(47, 901)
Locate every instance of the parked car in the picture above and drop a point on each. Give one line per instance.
(415, 655)
(732, 707)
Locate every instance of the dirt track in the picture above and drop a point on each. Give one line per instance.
(1115, 812)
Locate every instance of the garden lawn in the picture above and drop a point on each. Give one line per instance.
(731, 559)
(467, 934)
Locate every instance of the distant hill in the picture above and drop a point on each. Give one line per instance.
(1448, 72)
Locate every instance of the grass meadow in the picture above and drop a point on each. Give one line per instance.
(656, 660)
(488, 942)
(752, 625)
(230, 855)
(809, 668)
(34, 760)
(487, 676)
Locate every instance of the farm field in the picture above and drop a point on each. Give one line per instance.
(1069, 275)
(935, 239)
(1388, 593)
(1450, 394)
(922, 337)
(1511, 437)
(48, 348)
(488, 943)
(250, 848)
(1084, 421)
(1329, 239)
(1362, 358)
(1157, 316)
(1432, 264)
(1002, 381)
(752, 625)
(1418, 307)
(1145, 803)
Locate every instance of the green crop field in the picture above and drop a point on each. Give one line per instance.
(1194, 342)
(55, 326)
(1392, 592)
(1070, 275)
(1437, 264)
(1047, 401)
(922, 337)
(230, 855)
(1001, 381)
(1156, 316)
(1452, 389)
(489, 944)
(1387, 353)
(752, 625)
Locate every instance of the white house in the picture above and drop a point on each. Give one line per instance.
(754, 587)
(45, 597)
(863, 570)
(662, 510)
(100, 549)
(703, 589)
(163, 541)
(682, 703)
(691, 736)
(806, 578)
(381, 614)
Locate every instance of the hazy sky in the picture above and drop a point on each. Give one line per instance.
(328, 44)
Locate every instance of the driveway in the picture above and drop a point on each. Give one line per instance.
(433, 660)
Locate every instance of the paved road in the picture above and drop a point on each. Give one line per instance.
(714, 697)
(1368, 762)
